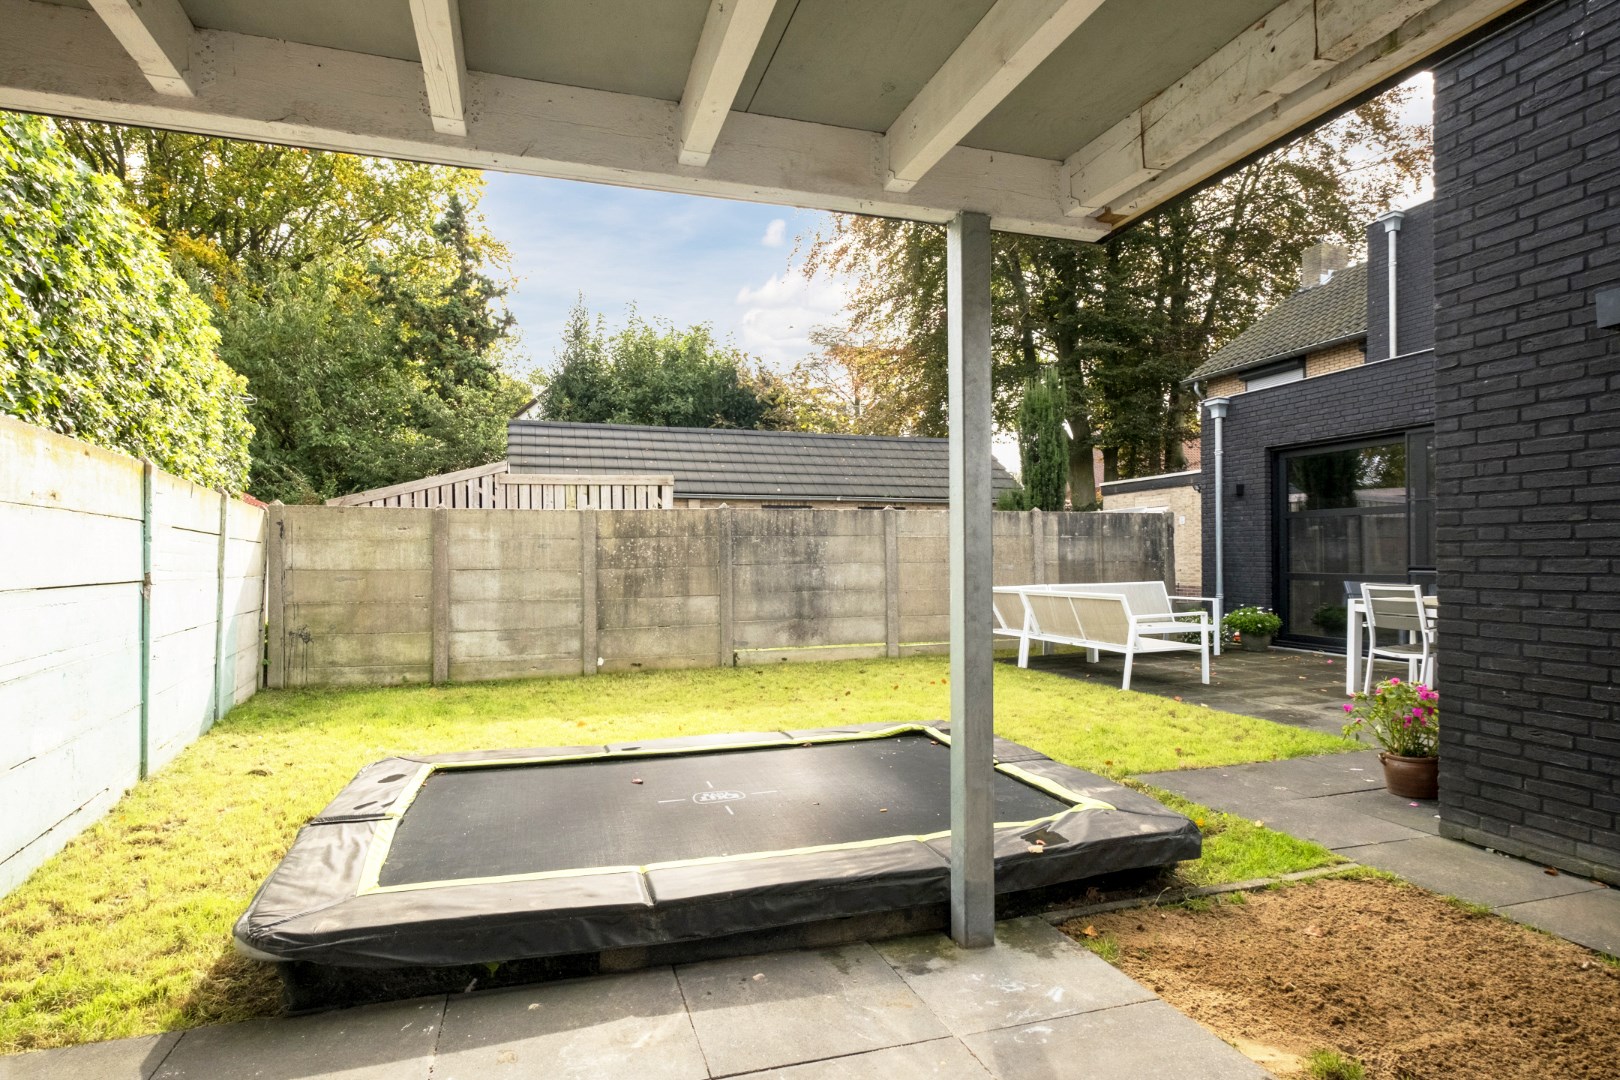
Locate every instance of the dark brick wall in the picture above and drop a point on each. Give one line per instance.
(1374, 399)
(1414, 285)
(1527, 397)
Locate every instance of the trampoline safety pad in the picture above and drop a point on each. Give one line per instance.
(506, 855)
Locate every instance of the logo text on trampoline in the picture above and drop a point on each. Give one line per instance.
(718, 796)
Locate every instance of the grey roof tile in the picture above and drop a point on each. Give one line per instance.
(1308, 319)
(729, 463)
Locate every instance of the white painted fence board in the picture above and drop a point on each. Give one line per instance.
(48, 548)
(42, 468)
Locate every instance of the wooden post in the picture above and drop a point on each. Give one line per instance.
(440, 615)
(726, 547)
(588, 626)
(146, 614)
(891, 580)
(275, 591)
(221, 704)
(973, 882)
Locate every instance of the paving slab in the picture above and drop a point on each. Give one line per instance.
(1146, 1041)
(616, 1025)
(1320, 821)
(1036, 972)
(1458, 869)
(1420, 814)
(120, 1059)
(941, 1059)
(1589, 918)
(764, 1012)
(1295, 778)
(376, 1042)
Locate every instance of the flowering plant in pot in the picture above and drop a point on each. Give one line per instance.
(1403, 718)
(1253, 627)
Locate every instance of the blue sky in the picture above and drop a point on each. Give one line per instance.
(675, 257)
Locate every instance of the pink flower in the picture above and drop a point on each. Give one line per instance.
(1349, 707)
(1394, 682)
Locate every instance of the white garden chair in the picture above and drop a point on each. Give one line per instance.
(1398, 608)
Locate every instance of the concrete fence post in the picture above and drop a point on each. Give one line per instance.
(727, 579)
(146, 616)
(588, 624)
(440, 615)
(275, 591)
(891, 580)
(221, 705)
(1037, 540)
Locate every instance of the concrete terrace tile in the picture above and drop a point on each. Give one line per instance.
(120, 1059)
(941, 1059)
(377, 1042)
(1589, 918)
(1381, 804)
(618, 1025)
(1034, 973)
(1318, 820)
(764, 1012)
(1470, 873)
(1147, 1041)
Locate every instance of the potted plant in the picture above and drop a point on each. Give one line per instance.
(1252, 627)
(1331, 618)
(1403, 718)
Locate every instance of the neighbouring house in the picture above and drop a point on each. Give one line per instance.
(1328, 439)
(744, 468)
(1175, 494)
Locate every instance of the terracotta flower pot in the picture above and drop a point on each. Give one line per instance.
(1411, 777)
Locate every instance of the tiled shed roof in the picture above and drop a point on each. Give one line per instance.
(729, 463)
(1309, 319)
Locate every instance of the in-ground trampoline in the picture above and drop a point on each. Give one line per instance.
(499, 856)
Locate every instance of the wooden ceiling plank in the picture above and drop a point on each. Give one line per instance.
(271, 90)
(444, 64)
(158, 36)
(731, 33)
(1011, 41)
(1385, 55)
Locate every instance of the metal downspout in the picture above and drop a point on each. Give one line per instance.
(1217, 412)
(1392, 227)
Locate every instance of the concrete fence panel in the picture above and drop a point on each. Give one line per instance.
(378, 595)
(130, 615)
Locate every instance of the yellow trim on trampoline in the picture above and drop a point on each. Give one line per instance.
(382, 840)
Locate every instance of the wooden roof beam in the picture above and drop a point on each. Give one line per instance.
(1297, 64)
(444, 66)
(158, 35)
(1011, 41)
(731, 33)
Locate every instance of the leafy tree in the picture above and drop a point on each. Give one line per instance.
(1042, 445)
(231, 209)
(855, 389)
(1126, 321)
(375, 275)
(99, 337)
(655, 374)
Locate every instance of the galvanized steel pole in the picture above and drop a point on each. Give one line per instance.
(972, 807)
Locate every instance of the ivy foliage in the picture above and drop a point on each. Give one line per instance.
(100, 338)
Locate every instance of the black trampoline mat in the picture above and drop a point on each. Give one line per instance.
(525, 819)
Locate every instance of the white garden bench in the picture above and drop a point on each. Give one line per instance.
(1127, 617)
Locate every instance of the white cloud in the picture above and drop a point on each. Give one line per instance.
(775, 233)
(777, 316)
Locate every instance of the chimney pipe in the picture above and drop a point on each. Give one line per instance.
(1392, 227)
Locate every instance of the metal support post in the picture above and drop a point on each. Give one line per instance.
(973, 894)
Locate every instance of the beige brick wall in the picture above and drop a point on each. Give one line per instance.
(1224, 386)
(1185, 507)
(1338, 358)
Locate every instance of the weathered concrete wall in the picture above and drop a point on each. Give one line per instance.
(376, 595)
(71, 648)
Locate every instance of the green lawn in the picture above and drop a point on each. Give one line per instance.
(127, 931)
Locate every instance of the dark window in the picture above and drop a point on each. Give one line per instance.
(1351, 513)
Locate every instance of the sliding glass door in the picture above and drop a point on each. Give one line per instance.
(1353, 512)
